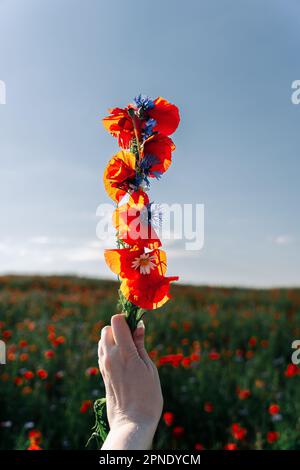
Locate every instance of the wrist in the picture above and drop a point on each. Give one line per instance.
(130, 435)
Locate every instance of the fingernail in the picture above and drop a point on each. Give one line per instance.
(141, 324)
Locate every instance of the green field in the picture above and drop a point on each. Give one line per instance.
(224, 356)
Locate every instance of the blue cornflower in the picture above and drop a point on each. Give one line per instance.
(148, 129)
(144, 101)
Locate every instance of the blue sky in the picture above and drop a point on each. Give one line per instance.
(228, 65)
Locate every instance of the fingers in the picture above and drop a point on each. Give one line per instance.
(121, 333)
(107, 339)
(139, 341)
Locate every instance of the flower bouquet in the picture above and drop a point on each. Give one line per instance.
(143, 131)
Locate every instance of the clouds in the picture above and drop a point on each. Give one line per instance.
(283, 240)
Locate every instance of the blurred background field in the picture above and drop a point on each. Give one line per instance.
(224, 359)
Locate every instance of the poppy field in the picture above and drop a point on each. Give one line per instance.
(224, 359)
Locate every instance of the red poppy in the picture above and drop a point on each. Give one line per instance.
(49, 354)
(208, 407)
(199, 446)
(168, 418)
(92, 371)
(230, 446)
(252, 341)
(243, 394)
(178, 432)
(291, 370)
(214, 356)
(148, 293)
(35, 436)
(274, 409)
(166, 116)
(42, 374)
(133, 222)
(86, 405)
(238, 432)
(120, 124)
(132, 263)
(28, 375)
(119, 175)
(34, 447)
(272, 436)
(156, 155)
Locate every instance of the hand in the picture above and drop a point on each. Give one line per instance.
(133, 393)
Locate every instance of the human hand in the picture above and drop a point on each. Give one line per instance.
(133, 394)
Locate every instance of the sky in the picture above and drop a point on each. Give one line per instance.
(228, 66)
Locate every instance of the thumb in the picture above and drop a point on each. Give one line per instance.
(139, 341)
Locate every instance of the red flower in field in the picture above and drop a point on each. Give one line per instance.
(60, 340)
(199, 446)
(274, 409)
(6, 334)
(208, 407)
(291, 370)
(92, 371)
(173, 359)
(252, 341)
(178, 432)
(34, 447)
(120, 175)
(49, 354)
(272, 436)
(120, 124)
(24, 357)
(238, 432)
(168, 418)
(156, 155)
(86, 405)
(166, 116)
(214, 356)
(28, 375)
(230, 446)
(23, 344)
(35, 436)
(42, 374)
(134, 222)
(195, 357)
(186, 362)
(18, 381)
(243, 394)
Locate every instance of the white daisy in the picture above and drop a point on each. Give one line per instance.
(144, 263)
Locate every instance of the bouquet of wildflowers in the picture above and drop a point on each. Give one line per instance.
(143, 131)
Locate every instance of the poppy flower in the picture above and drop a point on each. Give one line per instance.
(131, 263)
(291, 370)
(208, 407)
(86, 405)
(134, 222)
(156, 155)
(272, 436)
(34, 446)
(274, 409)
(164, 115)
(243, 394)
(168, 418)
(119, 175)
(35, 436)
(199, 446)
(238, 432)
(178, 432)
(42, 374)
(230, 446)
(147, 292)
(120, 124)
